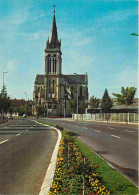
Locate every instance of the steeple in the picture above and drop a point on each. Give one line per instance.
(53, 41)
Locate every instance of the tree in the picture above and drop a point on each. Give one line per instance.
(73, 105)
(93, 102)
(126, 97)
(106, 103)
(5, 101)
(41, 110)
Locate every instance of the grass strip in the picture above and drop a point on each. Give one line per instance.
(112, 178)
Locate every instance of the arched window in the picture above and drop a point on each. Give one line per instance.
(53, 83)
(54, 63)
(49, 86)
(81, 91)
(49, 63)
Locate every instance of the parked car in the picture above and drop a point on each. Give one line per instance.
(10, 117)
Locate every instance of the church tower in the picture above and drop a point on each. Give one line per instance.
(53, 68)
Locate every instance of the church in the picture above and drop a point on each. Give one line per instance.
(53, 90)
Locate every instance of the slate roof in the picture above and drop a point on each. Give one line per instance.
(53, 41)
(39, 79)
(74, 79)
(71, 79)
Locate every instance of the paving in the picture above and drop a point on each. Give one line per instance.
(25, 153)
(117, 144)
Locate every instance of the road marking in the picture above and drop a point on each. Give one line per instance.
(4, 141)
(129, 131)
(27, 129)
(115, 136)
(85, 128)
(18, 134)
(110, 128)
(97, 131)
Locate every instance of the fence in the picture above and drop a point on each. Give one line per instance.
(113, 117)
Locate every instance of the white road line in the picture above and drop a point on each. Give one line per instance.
(129, 131)
(4, 141)
(110, 128)
(18, 134)
(85, 128)
(115, 136)
(97, 131)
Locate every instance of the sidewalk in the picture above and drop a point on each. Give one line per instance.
(109, 122)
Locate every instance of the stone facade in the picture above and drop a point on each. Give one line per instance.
(53, 90)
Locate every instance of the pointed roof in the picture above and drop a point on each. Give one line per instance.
(53, 41)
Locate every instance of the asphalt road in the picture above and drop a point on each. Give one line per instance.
(117, 144)
(25, 152)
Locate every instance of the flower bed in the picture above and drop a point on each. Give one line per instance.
(74, 173)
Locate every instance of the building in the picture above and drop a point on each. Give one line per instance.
(53, 90)
(133, 108)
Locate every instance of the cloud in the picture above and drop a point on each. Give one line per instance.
(127, 78)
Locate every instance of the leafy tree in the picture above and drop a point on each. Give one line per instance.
(106, 103)
(73, 105)
(41, 110)
(82, 104)
(5, 101)
(126, 97)
(93, 102)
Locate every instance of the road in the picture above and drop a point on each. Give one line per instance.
(25, 152)
(117, 144)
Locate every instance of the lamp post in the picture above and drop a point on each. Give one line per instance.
(77, 94)
(2, 94)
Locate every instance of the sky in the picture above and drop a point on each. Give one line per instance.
(95, 36)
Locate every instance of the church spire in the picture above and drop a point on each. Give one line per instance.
(53, 40)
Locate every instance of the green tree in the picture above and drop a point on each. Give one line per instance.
(41, 110)
(93, 102)
(126, 97)
(5, 101)
(73, 105)
(106, 103)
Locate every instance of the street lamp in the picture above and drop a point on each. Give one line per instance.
(26, 95)
(2, 93)
(77, 94)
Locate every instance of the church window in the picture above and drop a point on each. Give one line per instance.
(49, 86)
(81, 91)
(49, 63)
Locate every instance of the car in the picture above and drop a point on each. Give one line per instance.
(10, 117)
(24, 116)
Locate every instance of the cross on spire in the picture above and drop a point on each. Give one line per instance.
(54, 8)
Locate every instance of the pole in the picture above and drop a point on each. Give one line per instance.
(64, 107)
(77, 97)
(47, 97)
(2, 96)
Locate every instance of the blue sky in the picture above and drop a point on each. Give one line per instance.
(95, 37)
